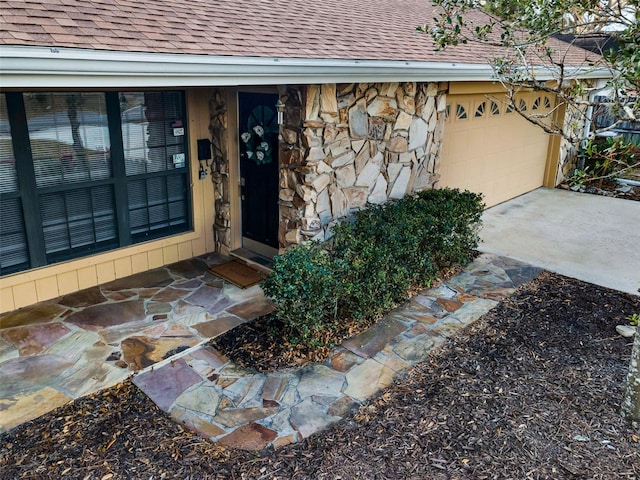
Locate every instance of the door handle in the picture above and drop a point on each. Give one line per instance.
(242, 181)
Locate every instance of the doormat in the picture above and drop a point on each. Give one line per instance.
(238, 273)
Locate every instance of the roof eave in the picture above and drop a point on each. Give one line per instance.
(36, 67)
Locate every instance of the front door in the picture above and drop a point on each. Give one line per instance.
(258, 130)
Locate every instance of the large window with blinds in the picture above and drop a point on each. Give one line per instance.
(86, 172)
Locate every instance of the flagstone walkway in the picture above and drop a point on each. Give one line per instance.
(155, 326)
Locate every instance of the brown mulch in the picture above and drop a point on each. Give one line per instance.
(608, 188)
(259, 345)
(531, 391)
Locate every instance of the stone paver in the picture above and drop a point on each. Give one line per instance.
(309, 417)
(26, 374)
(97, 317)
(368, 343)
(35, 339)
(319, 380)
(253, 309)
(38, 313)
(365, 380)
(94, 338)
(166, 384)
(159, 277)
(202, 425)
(218, 326)
(163, 315)
(274, 387)
(250, 437)
(29, 406)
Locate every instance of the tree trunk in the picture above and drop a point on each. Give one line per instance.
(73, 101)
(631, 401)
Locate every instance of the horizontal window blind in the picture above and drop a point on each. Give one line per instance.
(153, 134)
(78, 220)
(14, 255)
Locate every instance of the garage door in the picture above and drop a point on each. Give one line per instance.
(490, 149)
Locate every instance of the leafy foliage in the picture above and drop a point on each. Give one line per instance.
(303, 285)
(372, 261)
(610, 157)
(526, 33)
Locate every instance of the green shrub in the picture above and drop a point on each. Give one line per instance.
(456, 219)
(381, 255)
(303, 286)
(387, 249)
(373, 260)
(609, 157)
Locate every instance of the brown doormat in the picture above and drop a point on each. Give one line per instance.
(238, 273)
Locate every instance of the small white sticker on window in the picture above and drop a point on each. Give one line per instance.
(178, 132)
(178, 158)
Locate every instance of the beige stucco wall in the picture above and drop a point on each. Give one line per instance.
(45, 283)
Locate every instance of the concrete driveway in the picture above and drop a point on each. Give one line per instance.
(589, 237)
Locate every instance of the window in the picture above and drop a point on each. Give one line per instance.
(536, 103)
(92, 171)
(480, 110)
(14, 255)
(495, 109)
(154, 147)
(522, 105)
(69, 141)
(461, 113)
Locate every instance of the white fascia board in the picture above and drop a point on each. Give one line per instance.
(44, 67)
(545, 73)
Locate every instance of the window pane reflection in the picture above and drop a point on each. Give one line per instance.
(69, 137)
(8, 176)
(152, 131)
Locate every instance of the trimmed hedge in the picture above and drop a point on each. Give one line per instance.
(372, 261)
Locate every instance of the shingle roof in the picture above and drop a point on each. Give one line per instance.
(327, 29)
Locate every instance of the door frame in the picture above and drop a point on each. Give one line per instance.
(235, 198)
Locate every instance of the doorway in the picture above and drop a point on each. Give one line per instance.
(258, 141)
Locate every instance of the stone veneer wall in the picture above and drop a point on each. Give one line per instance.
(341, 147)
(348, 145)
(218, 121)
(574, 123)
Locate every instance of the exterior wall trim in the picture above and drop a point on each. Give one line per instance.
(551, 172)
(35, 67)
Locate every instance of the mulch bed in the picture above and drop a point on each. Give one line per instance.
(530, 391)
(609, 188)
(259, 345)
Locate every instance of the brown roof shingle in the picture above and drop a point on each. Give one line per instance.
(330, 29)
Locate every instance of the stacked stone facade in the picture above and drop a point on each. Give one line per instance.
(218, 121)
(573, 126)
(342, 147)
(354, 145)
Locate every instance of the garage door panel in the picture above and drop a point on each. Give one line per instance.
(460, 146)
(490, 151)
